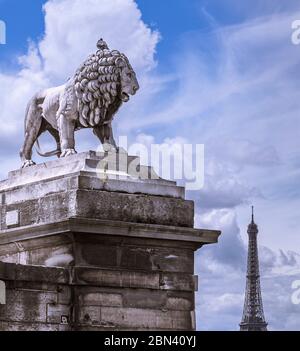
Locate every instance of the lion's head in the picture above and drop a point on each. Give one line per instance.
(129, 83)
(105, 78)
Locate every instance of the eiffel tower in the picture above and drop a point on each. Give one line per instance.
(253, 315)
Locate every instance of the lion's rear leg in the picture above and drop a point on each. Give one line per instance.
(33, 130)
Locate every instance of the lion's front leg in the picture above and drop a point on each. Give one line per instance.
(66, 135)
(105, 134)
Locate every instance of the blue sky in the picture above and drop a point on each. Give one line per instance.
(221, 73)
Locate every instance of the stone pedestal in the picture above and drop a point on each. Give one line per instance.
(124, 246)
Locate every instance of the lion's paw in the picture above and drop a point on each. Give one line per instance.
(28, 163)
(68, 152)
(110, 148)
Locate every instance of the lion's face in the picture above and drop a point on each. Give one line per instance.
(128, 80)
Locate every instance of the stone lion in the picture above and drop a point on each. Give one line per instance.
(88, 100)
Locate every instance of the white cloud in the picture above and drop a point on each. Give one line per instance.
(73, 27)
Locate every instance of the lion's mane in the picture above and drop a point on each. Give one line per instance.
(97, 86)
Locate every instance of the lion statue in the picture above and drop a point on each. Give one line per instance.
(88, 100)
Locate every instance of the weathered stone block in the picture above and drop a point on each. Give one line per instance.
(100, 255)
(90, 315)
(27, 310)
(57, 312)
(180, 301)
(114, 278)
(35, 274)
(64, 294)
(142, 298)
(135, 208)
(101, 299)
(23, 326)
(177, 281)
(146, 319)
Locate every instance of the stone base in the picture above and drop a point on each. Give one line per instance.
(61, 299)
(125, 247)
(79, 187)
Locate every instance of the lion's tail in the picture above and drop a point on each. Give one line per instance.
(45, 154)
(32, 111)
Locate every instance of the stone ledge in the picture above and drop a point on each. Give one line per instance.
(16, 272)
(198, 237)
(90, 276)
(133, 279)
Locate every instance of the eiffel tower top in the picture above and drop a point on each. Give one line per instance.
(252, 227)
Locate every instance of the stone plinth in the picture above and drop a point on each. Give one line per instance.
(124, 244)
